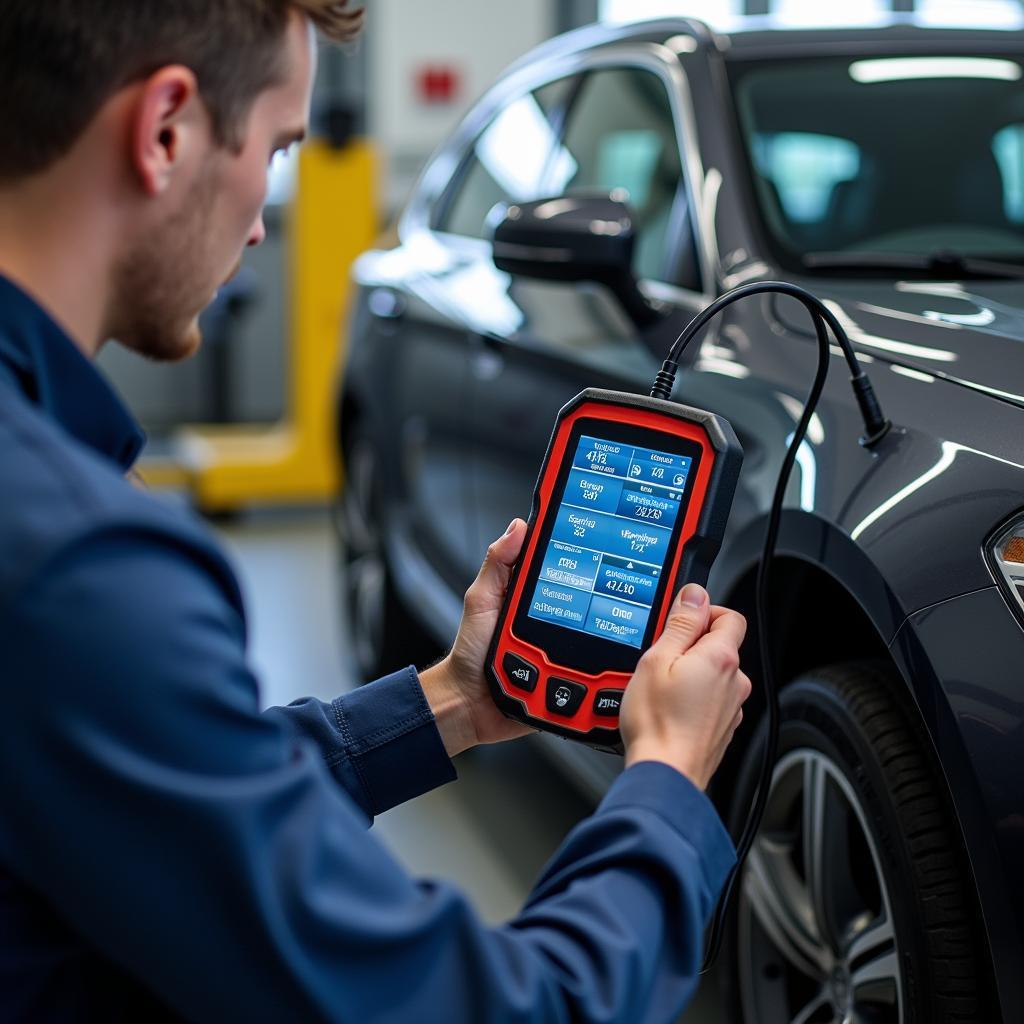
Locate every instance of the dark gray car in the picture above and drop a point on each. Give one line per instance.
(883, 170)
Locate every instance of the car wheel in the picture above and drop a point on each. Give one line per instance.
(381, 635)
(854, 904)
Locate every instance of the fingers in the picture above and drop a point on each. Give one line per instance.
(687, 620)
(728, 625)
(488, 590)
(746, 686)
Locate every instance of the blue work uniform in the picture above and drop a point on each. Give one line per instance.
(169, 852)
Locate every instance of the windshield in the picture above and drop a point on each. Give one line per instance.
(911, 156)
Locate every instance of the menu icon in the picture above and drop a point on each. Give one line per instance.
(520, 672)
(608, 702)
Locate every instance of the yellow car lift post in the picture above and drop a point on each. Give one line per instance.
(333, 219)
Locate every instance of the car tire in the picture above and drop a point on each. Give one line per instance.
(380, 634)
(855, 903)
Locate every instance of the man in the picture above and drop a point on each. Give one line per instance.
(165, 849)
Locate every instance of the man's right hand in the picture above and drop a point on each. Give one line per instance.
(685, 699)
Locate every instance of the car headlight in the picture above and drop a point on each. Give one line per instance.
(1006, 556)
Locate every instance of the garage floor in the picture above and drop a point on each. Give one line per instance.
(472, 831)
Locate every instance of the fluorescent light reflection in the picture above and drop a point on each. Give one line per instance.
(901, 348)
(950, 450)
(725, 367)
(906, 371)
(982, 318)
(894, 69)
(808, 473)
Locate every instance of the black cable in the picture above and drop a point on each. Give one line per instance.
(876, 426)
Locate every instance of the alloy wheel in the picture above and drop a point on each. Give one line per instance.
(817, 943)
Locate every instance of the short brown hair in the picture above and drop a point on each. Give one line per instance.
(61, 60)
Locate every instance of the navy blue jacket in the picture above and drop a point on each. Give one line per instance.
(166, 849)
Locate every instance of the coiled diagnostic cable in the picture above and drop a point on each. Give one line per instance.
(876, 426)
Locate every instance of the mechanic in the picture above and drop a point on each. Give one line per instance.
(166, 850)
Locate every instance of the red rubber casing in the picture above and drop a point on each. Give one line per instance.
(691, 559)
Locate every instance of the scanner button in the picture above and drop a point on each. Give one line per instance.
(607, 703)
(520, 672)
(564, 697)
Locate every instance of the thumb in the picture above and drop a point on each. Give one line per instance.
(488, 590)
(506, 548)
(687, 620)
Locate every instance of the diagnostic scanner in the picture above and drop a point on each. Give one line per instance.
(630, 505)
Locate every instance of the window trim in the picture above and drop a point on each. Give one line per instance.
(449, 160)
(442, 207)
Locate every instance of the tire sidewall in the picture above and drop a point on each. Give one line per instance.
(816, 715)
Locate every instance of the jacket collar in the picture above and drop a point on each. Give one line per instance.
(51, 371)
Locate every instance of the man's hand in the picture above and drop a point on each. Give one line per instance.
(684, 701)
(455, 687)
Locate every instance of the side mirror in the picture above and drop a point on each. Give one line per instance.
(574, 238)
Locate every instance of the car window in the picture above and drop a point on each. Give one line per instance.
(620, 135)
(1008, 149)
(508, 162)
(853, 155)
(804, 168)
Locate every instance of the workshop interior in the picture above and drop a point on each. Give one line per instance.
(724, 291)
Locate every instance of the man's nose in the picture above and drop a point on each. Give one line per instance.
(258, 233)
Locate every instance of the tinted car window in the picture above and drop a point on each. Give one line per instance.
(508, 161)
(620, 134)
(1008, 149)
(835, 171)
(805, 168)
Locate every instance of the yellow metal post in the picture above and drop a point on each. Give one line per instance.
(332, 220)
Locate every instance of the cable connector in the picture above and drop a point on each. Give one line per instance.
(665, 381)
(876, 426)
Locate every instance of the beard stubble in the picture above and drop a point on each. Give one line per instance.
(162, 285)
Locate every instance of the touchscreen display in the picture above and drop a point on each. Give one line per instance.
(603, 563)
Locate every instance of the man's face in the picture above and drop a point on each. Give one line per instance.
(171, 273)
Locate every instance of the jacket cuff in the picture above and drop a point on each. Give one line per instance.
(672, 796)
(392, 741)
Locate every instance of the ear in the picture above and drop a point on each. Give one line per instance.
(168, 119)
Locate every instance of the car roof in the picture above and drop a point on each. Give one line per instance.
(758, 41)
(757, 38)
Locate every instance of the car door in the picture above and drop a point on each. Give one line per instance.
(619, 136)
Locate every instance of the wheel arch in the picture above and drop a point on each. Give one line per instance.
(828, 603)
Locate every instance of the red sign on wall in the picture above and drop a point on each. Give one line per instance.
(437, 84)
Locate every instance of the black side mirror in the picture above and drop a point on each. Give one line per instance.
(574, 238)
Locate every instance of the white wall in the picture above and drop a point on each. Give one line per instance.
(805, 13)
(477, 38)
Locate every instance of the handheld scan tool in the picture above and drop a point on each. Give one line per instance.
(630, 505)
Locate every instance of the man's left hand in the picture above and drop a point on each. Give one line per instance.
(455, 687)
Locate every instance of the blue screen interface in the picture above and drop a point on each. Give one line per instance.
(603, 563)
